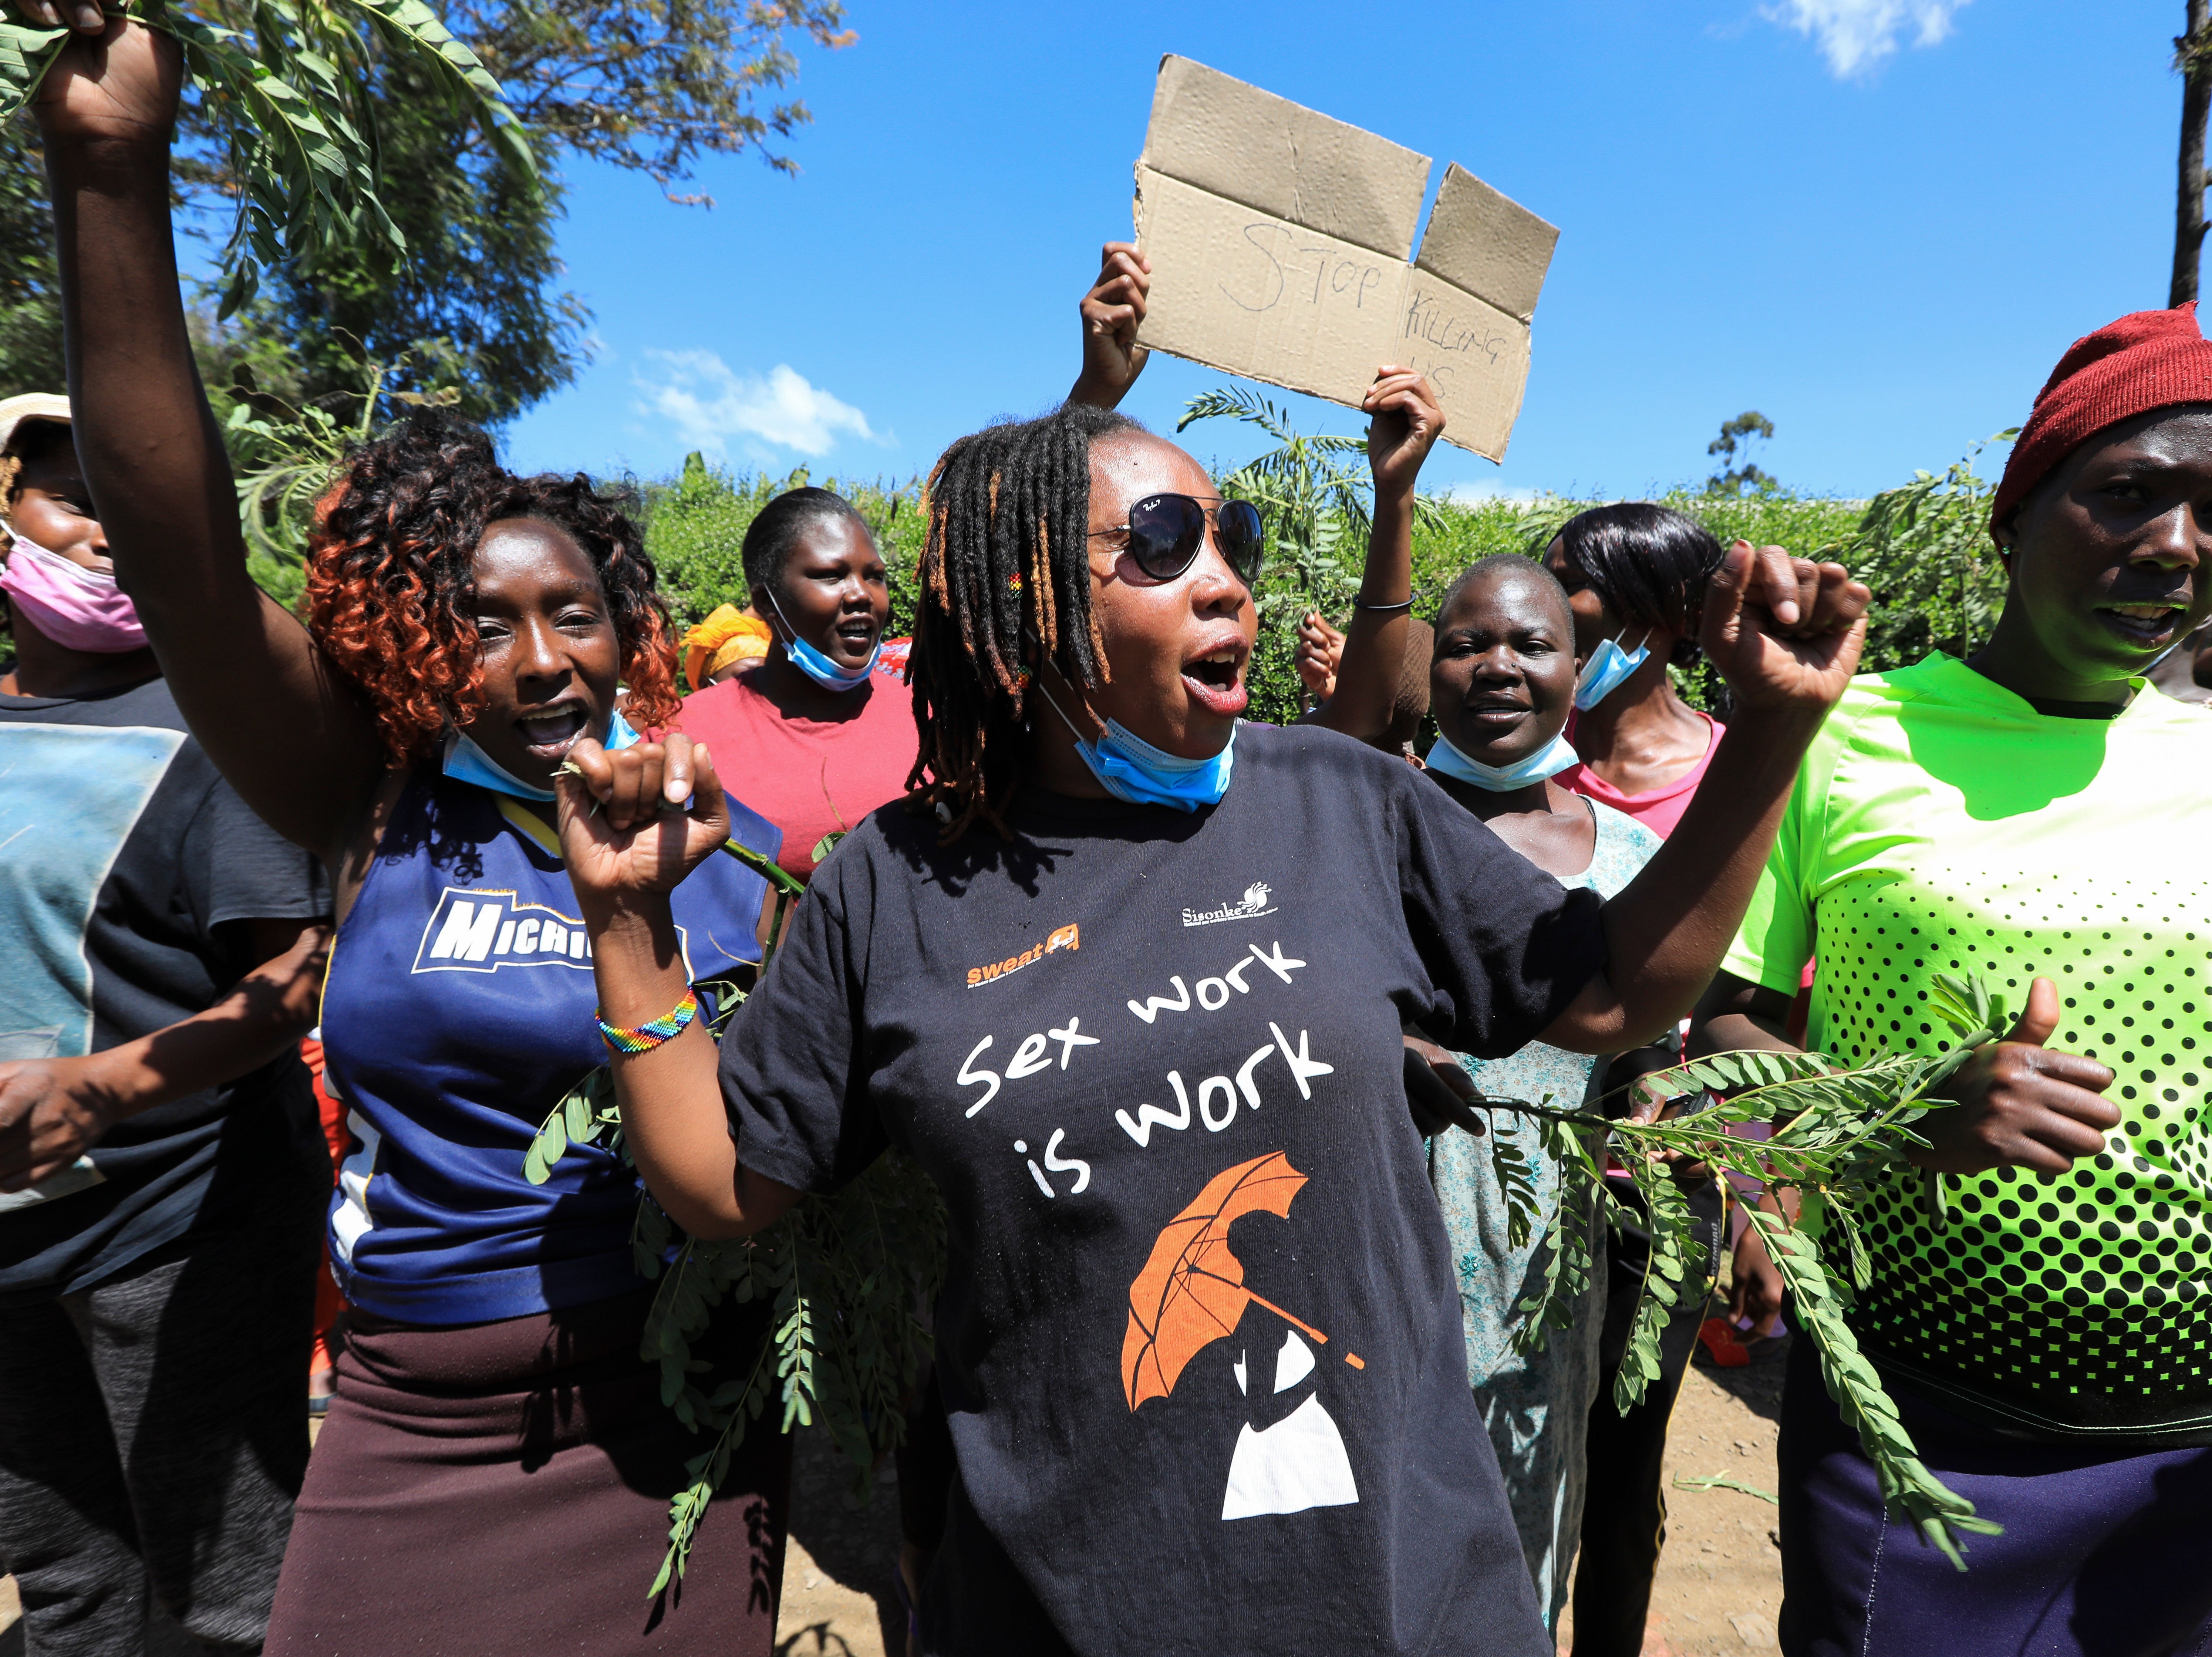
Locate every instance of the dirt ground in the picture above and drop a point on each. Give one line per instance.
(1719, 1585)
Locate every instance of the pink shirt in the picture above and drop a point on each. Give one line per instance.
(808, 777)
(1660, 809)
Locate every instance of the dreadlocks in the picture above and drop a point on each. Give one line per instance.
(1007, 570)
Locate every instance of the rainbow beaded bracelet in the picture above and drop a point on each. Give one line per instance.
(646, 1037)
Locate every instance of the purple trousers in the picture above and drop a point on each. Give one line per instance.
(2103, 1555)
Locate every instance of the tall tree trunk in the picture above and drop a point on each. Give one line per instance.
(2192, 56)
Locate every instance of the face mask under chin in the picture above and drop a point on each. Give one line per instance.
(818, 667)
(465, 761)
(1553, 757)
(1130, 769)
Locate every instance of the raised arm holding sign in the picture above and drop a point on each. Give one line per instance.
(1280, 244)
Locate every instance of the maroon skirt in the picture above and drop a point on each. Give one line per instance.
(501, 1489)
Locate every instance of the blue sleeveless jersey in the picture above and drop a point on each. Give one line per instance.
(458, 1010)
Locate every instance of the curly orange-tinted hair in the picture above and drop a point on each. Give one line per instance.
(390, 574)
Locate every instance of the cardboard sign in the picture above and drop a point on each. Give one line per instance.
(1282, 250)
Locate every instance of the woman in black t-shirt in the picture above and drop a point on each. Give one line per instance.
(1127, 978)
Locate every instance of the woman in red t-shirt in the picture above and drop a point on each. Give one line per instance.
(1630, 572)
(822, 732)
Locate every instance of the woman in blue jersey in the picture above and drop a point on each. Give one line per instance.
(495, 1473)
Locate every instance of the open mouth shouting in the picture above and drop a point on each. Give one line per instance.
(549, 733)
(2147, 626)
(1215, 677)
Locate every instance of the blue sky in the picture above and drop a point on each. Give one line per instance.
(1878, 222)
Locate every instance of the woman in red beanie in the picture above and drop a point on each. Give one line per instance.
(2035, 813)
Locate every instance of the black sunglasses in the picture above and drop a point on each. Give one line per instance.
(1166, 530)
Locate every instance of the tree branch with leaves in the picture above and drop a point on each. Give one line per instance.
(849, 1279)
(1836, 1130)
(654, 86)
(451, 272)
(281, 86)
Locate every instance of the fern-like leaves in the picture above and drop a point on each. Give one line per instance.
(1834, 1129)
(847, 1278)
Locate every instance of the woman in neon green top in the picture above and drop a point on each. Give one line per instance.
(2036, 814)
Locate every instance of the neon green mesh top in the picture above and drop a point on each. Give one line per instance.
(1941, 825)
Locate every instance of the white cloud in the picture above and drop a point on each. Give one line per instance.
(1474, 494)
(1857, 34)
(709, 403)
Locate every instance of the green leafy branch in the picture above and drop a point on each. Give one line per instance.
(1924, 548)
(1516, 1181)
(1835, 1131)
(1568, 1267)
(1675, 1257)
(849, 1279)
(285, 458)
(284, 87)
(1936, 1511)
(1316, 507)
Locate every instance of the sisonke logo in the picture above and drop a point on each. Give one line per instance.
(481, 931)
(1063, 938)
(1251, 906)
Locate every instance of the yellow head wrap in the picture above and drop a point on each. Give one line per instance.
(729, 635)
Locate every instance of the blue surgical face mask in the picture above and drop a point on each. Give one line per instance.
(465, 762)
(1130, 769)
(1553, 757)
(817, 666)
(1609, 667)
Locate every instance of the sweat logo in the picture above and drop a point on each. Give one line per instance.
(1063, 938)
(481, 931)
(1251, 906)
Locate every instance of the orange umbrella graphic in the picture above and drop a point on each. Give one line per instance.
(1191, 1291)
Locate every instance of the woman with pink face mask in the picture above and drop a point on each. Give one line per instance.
(74, 628)
(162, 1177)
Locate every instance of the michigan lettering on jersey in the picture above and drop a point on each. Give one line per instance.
(480, 931)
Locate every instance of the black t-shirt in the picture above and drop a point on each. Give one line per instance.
(122, 854)
(1199, 1341)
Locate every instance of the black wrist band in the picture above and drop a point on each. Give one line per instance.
(1407, 603)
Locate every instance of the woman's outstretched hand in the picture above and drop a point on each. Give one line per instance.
(2021, 1103)
(117, 80)
(625, 829)
(1785, 633)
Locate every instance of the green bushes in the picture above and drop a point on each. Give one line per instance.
(1922, 547)
(696, 526)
